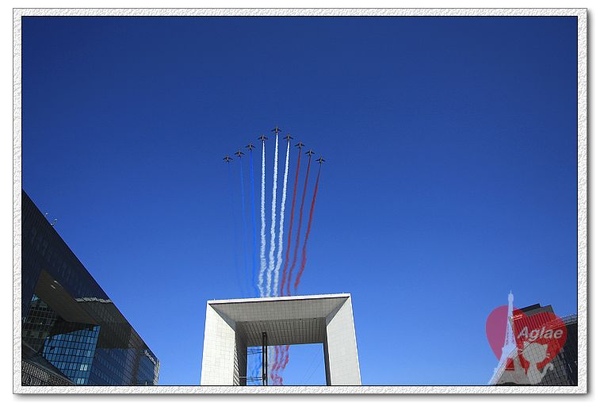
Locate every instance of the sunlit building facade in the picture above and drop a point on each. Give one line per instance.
(234, 325)
(71, 332)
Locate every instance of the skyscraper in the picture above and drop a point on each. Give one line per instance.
(71, 332)
(561, 370)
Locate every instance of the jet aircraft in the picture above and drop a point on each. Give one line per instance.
(227, 158)
(320, 160)
(310, 152)
(276, 130)
(239, 153)
(250, 147)
(263, 138)
(300, 145)
(288, 137)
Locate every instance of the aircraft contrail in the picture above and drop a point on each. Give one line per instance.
(252, 201)
(271, 358)
(263, 240)
(274, 365)
(255, 370)
(299, 226)
(273, 218)
(277, 366)
(281, 216)
(278, 350)
(283, 360)
(235, 227)
(291, 226)
(277, 282)
(310, 218)
(244, 226)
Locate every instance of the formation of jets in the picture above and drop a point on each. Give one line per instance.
(263, 138)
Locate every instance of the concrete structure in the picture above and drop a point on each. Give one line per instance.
(234, 325)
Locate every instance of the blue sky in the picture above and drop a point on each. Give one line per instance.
(450, 176)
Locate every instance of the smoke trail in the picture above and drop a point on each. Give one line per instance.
(244, 225)
(281, 215)
(254, 363)
(275, 376)
(291, 227)
(263, 240)
(287, 254)
(310, 219)
(273, 219)
(299, 226)
(275, 363)
(254, 245)
(235, 229)
(271, 359)
(284, 358)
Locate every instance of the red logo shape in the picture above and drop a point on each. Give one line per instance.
(539, 338)
(495, 329)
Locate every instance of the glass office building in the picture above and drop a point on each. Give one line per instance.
(562, 369)
(72, 333)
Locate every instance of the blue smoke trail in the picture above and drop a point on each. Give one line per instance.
(245, 228)
(263, 240)
(235, 229)
(254, 244)
(254, 362)
(255, 365)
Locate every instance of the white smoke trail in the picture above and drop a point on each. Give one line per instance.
(273, 219)
(263, 240)
(281, 214)
(271, 362)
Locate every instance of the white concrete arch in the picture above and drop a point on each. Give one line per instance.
(234, 325)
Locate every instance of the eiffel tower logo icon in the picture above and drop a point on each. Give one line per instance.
(509, 362)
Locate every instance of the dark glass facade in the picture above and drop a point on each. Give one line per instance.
(72, 333)
(563, 369)
(565, 363)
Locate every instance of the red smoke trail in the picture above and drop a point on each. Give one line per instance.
(310, 218)
(287, 357)
(277, 380)
(299, 226)
(284, 275)
(276, 364)
(284, 359)
(289, 240)
(274, 374)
